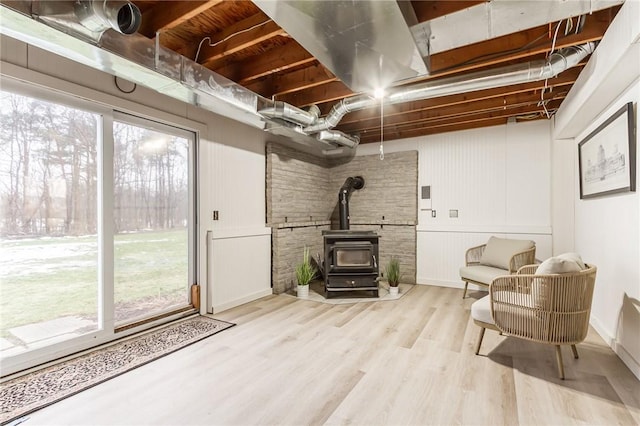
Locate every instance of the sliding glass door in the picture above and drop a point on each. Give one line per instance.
(151, 218)
(97, 224)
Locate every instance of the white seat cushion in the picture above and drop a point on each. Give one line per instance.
(481, 310)
(482, 274)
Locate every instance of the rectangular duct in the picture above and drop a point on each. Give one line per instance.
(367, 44)
(498, 18)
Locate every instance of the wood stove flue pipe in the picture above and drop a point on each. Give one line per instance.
(352, 183)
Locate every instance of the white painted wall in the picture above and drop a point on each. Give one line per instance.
(606, 230)
(231, 167)
(498, 178)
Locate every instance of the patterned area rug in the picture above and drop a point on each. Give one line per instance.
(36, 390)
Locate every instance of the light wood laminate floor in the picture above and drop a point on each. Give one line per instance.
(404, 362)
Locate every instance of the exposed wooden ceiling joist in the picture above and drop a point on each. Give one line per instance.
(249, 35)
(471, 120)
(302, 79)
(245, 46)
(278, 59)
(166, 15)
(478, 106)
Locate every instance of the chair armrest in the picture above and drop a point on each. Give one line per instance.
(501, 286)
(473, 255)
(521, 259)
(512, 305)
(527, 269)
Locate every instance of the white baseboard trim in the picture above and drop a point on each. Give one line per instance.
(450, 284)
(617, 347)
(241, 301)
(220, 234)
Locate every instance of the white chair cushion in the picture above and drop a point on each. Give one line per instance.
(482, 274)
(499, 251)
(481, 310)
(575, 257)
(553, 265)
(558, 265)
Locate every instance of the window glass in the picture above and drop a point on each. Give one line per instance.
(151, 220)
(48, 222)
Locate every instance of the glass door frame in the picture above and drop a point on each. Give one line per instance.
(192, 138)
(106, 328)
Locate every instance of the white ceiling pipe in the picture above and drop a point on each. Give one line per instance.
(505, 76)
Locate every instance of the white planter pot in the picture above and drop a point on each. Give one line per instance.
(393, 291)
(303, 291)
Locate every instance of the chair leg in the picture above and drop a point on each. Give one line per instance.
(559, 359)
(482, 330)
(466, 284)
(575, 351)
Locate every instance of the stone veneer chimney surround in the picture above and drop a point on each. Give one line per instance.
(302, 201)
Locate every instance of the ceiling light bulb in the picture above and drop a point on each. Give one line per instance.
(378, 93)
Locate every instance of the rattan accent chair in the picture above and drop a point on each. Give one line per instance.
(552, 309)
(499, 256)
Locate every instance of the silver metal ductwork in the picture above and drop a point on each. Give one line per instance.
(89, 18)
(366, 44)
(497, 18)
(339, 138)
(287, 112)
(140, 60)
(505, 76)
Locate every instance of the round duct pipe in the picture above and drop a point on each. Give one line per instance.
(100, 15)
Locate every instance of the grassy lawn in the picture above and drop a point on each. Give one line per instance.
(47, 278)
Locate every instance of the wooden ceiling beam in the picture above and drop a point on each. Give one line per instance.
(450, 124)
(166, 15)
(302, 79)
(281, 58)
(324, 93)
(210, 53)
(428, 10)
(435, 130)
(459, 110)
(479, 116)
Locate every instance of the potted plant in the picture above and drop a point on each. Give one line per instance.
(305, 272)
(393, 275)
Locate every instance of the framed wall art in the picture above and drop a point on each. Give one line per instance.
(607, 156)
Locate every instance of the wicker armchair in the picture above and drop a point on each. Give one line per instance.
(552, 309)
(506, 258)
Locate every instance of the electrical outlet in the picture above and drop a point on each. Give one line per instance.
(433, 213)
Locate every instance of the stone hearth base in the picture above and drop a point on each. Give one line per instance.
(316, 294)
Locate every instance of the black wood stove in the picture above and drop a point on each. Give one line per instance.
(350, 262)
(350, 257)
